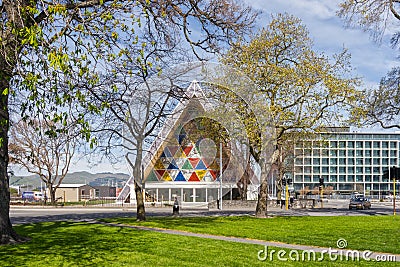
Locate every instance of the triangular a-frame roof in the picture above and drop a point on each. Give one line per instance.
(194, 96)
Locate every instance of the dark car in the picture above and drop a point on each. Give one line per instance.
(359, 203)
(28, 196)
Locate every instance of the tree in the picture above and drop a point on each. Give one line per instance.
(301, 90)
(133, 116)
(372, 15)
(381, 105)
(50, 43)
(35, 147)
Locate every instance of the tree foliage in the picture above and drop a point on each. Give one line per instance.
(301, 89)
(52, 51)
(380, 105)
(36, 147)
(375, 16)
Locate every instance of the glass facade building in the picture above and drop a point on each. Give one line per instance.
(347, 161)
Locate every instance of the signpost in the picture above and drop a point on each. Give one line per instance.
(394, 197)
(285, 183)
(321, 189)
(394, 173)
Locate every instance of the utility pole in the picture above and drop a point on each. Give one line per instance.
(321, 189)
(394, 173)
(394, 196)
(220, 175)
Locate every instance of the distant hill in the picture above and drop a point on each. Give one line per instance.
(72, 178)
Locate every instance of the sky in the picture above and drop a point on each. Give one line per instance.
(370, 60)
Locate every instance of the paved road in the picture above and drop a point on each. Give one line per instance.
(21, 215)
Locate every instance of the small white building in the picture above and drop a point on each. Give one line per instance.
(75, 192)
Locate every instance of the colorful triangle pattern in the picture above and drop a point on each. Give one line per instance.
(181, 161)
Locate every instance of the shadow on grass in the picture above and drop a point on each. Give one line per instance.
(57, 243)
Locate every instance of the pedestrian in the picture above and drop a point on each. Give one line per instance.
(175, 208)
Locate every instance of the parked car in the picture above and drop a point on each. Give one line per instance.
(28, 196)
(359, 203)
(38, 196)
(32, 196)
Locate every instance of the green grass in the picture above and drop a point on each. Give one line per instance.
(375, 233)
(81, 244)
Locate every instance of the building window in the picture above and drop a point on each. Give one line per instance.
(307, 169)
(333, 169)
(299, 161)
(342, 153)
(342, 161)
(393, 144)
(368, 144)
(359, 144)
(377, 144)
(316, 152)
(350, 169)
(342, 144)
(350, 144)
(367, 161)
(298, 169)
(359, 153)
(316, 161)
(298, 178)
(342, 169)
(377, 161)
(385, 144)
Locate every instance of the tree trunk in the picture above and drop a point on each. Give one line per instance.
(265, 165)
(53, 199)
(261, 209)
(8, 235)
(137, 174)
(140, 210)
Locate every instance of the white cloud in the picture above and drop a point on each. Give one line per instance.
(371, 60)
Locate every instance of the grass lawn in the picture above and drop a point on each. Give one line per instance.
(82, 244)
(375, 233)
